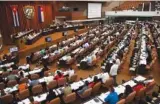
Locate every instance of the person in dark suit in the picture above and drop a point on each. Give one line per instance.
(50, 96)
(128, 90)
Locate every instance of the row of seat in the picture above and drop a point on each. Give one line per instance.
(128, 5)
(38, 89)
(138, 95)
(38, 55)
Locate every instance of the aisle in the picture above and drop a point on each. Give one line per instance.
(125, 73)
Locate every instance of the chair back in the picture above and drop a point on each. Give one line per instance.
(70, 98)
(108, 82)
(7, 99)
(46, 73)
(5, 74)
(52, 84)
(24, 80)
(130, 97)
(70, 61)
(150, 87)
(96, 88)
(55, 101)
(122, 101)
(141, 93)
(73, 78)
(86, 93)
(11, 83)
(34, 76)
(24, 94)
(37, 89)
(2, 86)
(94, 62)
(15, 72)
(61, 81)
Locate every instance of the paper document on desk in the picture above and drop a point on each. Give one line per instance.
(40, 98)
(25, 101)
(131, 83)
(139, 78)
(94, 102)
(103, 96)
(60, 90)
(88, 79)
(74, 86)
(55, 92)
(119, 89)
(81, 83)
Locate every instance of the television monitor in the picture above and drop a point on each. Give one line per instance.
(48, 39)
(75, 30)
(65, 33)
(13, 49)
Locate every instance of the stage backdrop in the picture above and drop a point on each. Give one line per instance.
(7, 20)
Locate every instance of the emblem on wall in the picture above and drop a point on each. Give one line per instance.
(29, 11)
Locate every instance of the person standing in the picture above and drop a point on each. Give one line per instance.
(113, 71)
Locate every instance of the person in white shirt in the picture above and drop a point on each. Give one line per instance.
(118, 62)
(117, 34)
(113, 71)
(70, 72)
(86, 45)
(104, 77)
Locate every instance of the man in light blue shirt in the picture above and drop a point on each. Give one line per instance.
(89, 60)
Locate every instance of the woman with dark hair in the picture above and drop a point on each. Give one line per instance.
(95, 80)
(128, 90)
(50, 96)
(85, 87)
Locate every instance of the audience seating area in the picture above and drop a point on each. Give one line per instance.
(21, 84)
(133, 5)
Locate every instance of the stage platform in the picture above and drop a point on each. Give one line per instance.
(56, 37)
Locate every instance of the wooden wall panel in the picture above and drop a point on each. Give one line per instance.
(25, 23)
(78, 15)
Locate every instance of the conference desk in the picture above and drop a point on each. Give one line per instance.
(34, 38)
(42, 80)
(22, 34)
(75, 86)
(18, 38)
(10, 59)
(119, 89)
(54, 29)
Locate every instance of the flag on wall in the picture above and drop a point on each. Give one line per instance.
(40, 14)
(15, 15)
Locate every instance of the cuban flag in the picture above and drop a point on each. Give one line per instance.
(15, 16)
(40, 14)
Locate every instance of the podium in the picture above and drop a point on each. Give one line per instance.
(20, 42)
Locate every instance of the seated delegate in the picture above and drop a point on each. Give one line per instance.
(51, 95)
(58, 76)
(112, 98)
(95, 80)
(85, 87)
(127, 91)
(67, 89)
